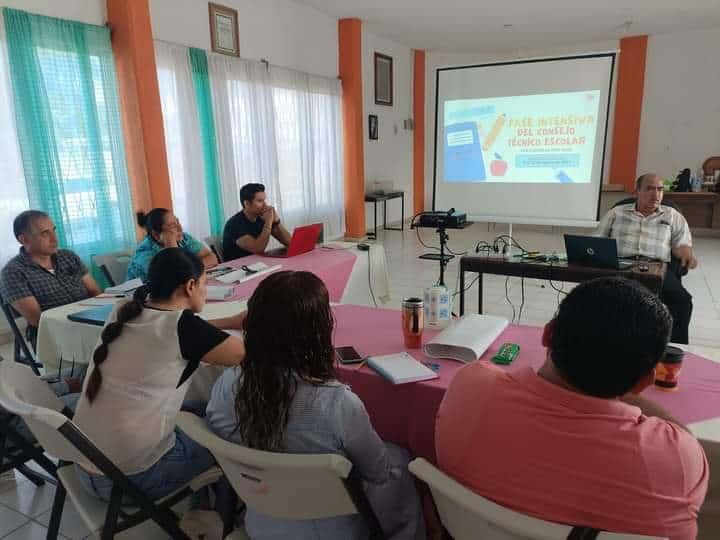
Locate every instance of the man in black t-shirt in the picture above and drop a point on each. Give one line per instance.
(249, 230)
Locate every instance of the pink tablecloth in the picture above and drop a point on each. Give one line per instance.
(405, 414)
(333, 266)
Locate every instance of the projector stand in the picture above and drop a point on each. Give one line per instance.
(510, 246)
(441, 257)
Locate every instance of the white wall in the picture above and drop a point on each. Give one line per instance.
(390, 156)
(280, 31)
(87, 11)
(681, 108)
(435, 60)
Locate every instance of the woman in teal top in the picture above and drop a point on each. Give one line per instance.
(163, 231)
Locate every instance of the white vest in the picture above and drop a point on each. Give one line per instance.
(133, 416)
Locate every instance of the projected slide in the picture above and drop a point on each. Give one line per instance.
(544, 138)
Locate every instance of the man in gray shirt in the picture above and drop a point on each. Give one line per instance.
(41, 276)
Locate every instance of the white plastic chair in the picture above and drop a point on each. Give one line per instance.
(287, 486)
(16, 450)
(114, 265)
(24, 394)
(466, 515)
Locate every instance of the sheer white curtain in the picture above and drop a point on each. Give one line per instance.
(244, 124)
(308, 134)
(13, 193)
(182, 138)
(281, 128)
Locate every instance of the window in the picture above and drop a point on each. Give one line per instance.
(281, 128)
(69, 132)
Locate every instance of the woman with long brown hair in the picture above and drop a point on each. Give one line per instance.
(286, 398)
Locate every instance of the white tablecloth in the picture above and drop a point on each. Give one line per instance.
(59, 338)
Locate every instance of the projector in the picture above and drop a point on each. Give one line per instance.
(449, 220)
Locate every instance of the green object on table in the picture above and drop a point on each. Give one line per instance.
(507, 353)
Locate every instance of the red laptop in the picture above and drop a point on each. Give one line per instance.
(303, 240)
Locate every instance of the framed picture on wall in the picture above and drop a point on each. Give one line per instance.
(383, 79)
(373, 126)
(224, 30)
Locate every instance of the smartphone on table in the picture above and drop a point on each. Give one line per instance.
(347, 355)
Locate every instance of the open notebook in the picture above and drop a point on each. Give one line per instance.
(400, 368)
(466, 339)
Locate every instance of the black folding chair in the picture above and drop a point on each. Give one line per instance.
(16, 451)
(22, 352)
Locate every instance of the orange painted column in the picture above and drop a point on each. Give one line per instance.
(628, 111)
(350, 69)
(141, 111)
(419, 131)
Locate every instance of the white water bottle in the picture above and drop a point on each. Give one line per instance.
(438, 306)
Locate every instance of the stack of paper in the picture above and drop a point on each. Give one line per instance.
(220, 310)
(219, 292)
(401, 368)
(219, 271)
(125, 288)
(256, 270)
(466, 339)
(101, 300)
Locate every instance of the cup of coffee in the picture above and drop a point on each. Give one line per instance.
(413, 322)
(667, 371)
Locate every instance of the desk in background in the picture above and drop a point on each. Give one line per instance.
(699, 208)
(556, 271)
(384, 198)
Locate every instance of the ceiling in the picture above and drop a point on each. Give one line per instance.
(476, 25)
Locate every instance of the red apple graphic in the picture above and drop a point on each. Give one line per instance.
(498, 167)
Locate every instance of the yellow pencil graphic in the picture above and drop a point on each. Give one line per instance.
(494, 132)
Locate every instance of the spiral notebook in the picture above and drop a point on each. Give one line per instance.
(400, 368)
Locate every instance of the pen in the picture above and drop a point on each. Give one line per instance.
(364, 361)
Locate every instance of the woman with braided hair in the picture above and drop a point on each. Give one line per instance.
(141, 371)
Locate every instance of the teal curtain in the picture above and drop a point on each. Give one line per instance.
(203, 97)
(69, 131)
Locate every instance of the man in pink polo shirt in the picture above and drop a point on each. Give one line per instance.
(574, 443)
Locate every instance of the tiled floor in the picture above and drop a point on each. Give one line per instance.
(25, 509)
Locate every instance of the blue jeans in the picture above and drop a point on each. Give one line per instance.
(177, 467)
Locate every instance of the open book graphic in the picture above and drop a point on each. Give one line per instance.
(466, 339)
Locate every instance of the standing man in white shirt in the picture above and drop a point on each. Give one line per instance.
(649, 231)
